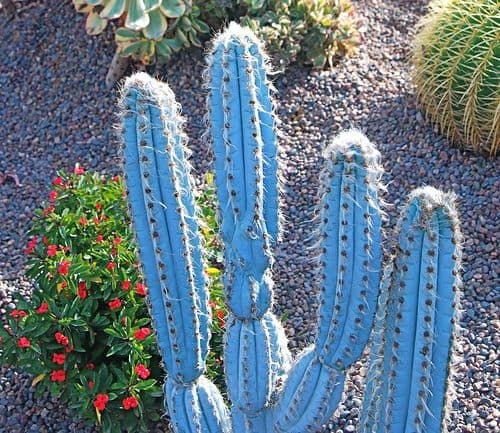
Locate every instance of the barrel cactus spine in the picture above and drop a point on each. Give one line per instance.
(268, 393)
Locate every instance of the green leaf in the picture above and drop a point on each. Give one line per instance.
(113, 9)
(181, 37)
(200, 26)
(123, 34)
(151, 4)
(157, 25)
(118, 349)
(137, 18)
(146, 384)
(174, 44)
(95, 25)
(173, 8)
(133, 48)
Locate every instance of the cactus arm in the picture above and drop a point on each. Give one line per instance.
(445, 317)
(163, 214)
(137, 203)
(411, 382)
(255, 347)
(355, 265)
(350, 262)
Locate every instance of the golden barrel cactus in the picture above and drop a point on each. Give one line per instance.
(457, 70)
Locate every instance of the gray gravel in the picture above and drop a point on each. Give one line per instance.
(56, 111)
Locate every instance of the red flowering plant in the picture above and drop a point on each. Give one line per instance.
(85, 333)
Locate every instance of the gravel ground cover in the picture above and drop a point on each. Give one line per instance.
(55, 111)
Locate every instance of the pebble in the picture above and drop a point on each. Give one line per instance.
(56, 111)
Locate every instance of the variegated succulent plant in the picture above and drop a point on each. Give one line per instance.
(149, 30)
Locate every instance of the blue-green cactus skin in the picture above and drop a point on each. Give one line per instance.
(407, 380)
(163, 212)
(350, 226)
(244, 142)
(414, 314)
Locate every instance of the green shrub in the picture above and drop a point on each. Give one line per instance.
(457, 63)
(315, 32)
(86, 334)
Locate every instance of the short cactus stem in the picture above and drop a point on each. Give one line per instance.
(349, 263)
(407, 381)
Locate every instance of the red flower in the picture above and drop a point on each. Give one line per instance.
(142, 371)
(63, 268)
(220, 314)
(52, 250)
(99, 238)
(83, 221)
(126, 285)
(91, 384)
(58, 376)
(49, 209)
(69, 349)
(61, 338)
(59, 358)
(64, 284)
(82, 292)
(43, 308)
(115, 178)
(53, 195)
(45, 240)
(110, 266)
(114, 252)
(212, 304)
(96, 220)
(130, 403)
(98, 206)
(117, 241)
(100, 401)
(18, 314)
(58, 180)
(222, 323)
(142, 333)
(23, 342)
(78, 169)
(218, 361)
(31, 245)
(114, 304)
(140, 289)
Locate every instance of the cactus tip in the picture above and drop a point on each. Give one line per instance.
(350, 143)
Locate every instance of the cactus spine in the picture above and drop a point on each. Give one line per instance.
(257, 361)
(414, 329)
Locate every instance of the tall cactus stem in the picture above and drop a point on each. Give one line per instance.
(244, 139)
(161, 199)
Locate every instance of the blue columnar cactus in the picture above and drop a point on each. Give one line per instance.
(268, 392)
(407, 382)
